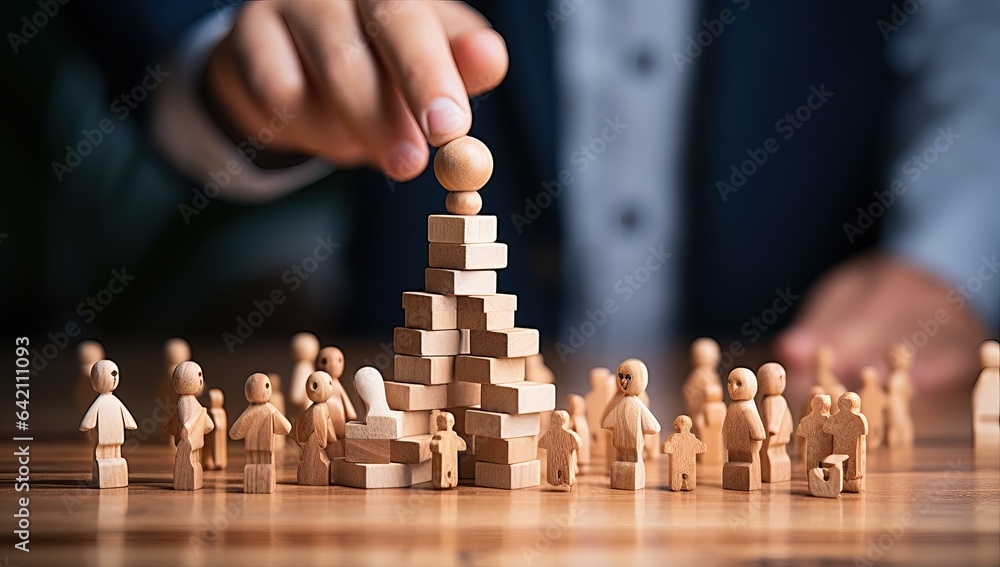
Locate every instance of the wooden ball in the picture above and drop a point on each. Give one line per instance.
(464, 164)
(463, 202)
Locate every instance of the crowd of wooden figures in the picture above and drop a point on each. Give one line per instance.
(610, 430)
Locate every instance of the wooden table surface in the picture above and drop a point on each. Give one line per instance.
(935, 505)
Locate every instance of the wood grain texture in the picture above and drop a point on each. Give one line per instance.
(683, 448)
(487, 303)
(423, 369)
(459, 282)
(410, 450)
(457, 229)
(518, 397)
(463, 394)
(488, 370)
(848, 428)
(827, 480)
(483, 256)
(744, 433)
(367, 450)
(419, 342)
(421, 300)
(445, 446)
(506, 451)
(489, 321)
(507, 343)
(109, 418)
(560, 444)
(430, 320)
(463, 164)
(372, 475)
(416, 397)
(463, 202)
(509, 477)
(500, 425)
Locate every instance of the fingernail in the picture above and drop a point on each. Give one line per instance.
(443, 117)
(406, 160)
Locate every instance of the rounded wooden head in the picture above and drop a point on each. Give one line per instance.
(304, 346)
(331, 361)
(742, 385)
(463, 164)
(632, 377)
(445, 421)
(989, 354)
(576, 403)
(713, 392)
(176, 350)
(559, 419)
(771, 377)
(821, 403)
(188, 379)
(705, 352)
(216, 398)
(104, 376)
(319, 387)
(900, 356)
(869, 376)
(463, 202)
(849, 402)
(682, 424)
(89, 352)
(599, 377)
(370, 387)
(258, 388)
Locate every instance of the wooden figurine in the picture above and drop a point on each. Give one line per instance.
(257, 426)
(88, 352)
(215, 456)
(560, 444)
(109, 416)
(188, 426)
(744, 433)
(775, 465)
(818, 444)
(628, 421)
(849, 428)
(175, 351)
(305, 349)
(986, 399)
(683, 447)
(705, 356)
(331, 361)
(314, 431)
(825, 377)
(708, 425)
(827, 480)
(597, 399)
(873, 401)
(380, 421)
(578, 422)
(899, 432)
(278, 401)
(445, 447)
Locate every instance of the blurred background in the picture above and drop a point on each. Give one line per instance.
(663, 170)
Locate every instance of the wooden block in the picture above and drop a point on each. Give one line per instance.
(500, 425)
(422, 300)
(424, 369)
(488, 256)
(416, 397)
(509, 343)
(489, 321)
(259, 479)
(419, 342)
(487, 303)
(463, 394)
(372, 475)
(366, 450)
(464, 341)
(458, 282)
(518, 397)
(375, 427)
(420, 472)
(488, 370)
(827, 480)
(509, 477)
(416, 423)
(461, 229)
(430, 320)
(506, 451)
(466, 466)
(410, 450)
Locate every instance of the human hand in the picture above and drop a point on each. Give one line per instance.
(370, 82)
(868, 304)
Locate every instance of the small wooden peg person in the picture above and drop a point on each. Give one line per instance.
(708, 425)
(986, 399)
(110, 418)
(596, 401)
(445, 447)
(683, 447)
(215, 455)
(314, 431)
(560, 444)
(873, 401)
(629, 420)
(744, 433)
(578, 421)
(305, 349)
(257, 426)
(775, 465)
(818, 443)
(848, 428)
(331, 361)
(705, 356)
(175, 351)
(899, 422)
(188, 426)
